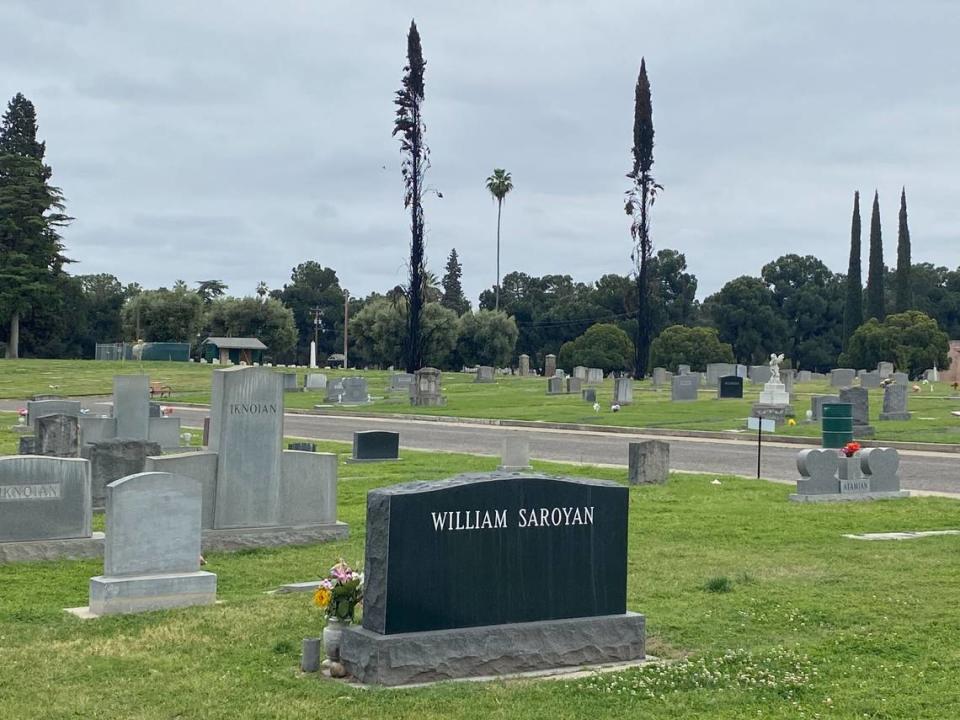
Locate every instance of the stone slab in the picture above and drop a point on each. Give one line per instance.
(131, 406)
(297, 587)
(201, 466)
(375, 445)
(40, 408)
(308, 488)
(491, 650)
(912, 535)
(47, 550)
(648, 462)
(165, 431)
(246, 538)
(140, 593)
(848, 497)
(515, 453)
(623, 390)
(44, 498)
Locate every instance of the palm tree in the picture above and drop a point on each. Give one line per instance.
(499, 184)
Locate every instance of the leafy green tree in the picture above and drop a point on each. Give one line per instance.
(209, 290)
(603, 345)
(379, 328)
(673, 291)
(810, 299)
(746, 316)
(31, 215)
(487, 337)
(640, 198)
(264, 318)
(163, 316)
(313, 287)
(911, 340)
(904, 301)
(693, 346)
(409, 125)
(875, 295)
(853, 307)
(499, 184)
(453, 296)
(935, 291)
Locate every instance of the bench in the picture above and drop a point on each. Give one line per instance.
(160, 390)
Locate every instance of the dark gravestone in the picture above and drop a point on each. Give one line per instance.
(730, 386)
(376, 445)
(58, 436)
(114, 459)
(432, 547)
(27, 446)
(589, 394)
(206, 431)
(302, 446)
(154, 410)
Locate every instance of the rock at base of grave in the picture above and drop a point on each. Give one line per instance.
(777, 413)
(649, 462)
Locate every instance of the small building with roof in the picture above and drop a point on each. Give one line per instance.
(233, 350)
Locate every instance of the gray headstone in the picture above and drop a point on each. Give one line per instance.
(589, 395)
(131, 406)
(594, 376)
(113, 459)
(515, 454)
(308, 492)
(684, 387)
(900, 378)
(660, 376)
(742, 371)
(895, 403)
(155, 410)
(879, 466)
(623, 390)
(334, 390)
(165, 431)
(683, 369)
(818, 472)
(817, 402)
(290, 382)
(485, 374)
(524, 363)
(315, 381)
(649, 462)
(40, 408)
(355, 391)
(574, 385)
(152, 549)
(58, 436)
(246, 431)
(717, 370)
(44, 498)
(787, 377)
(401, 381)
(884, 369)
(550, 365)
(555, 386)
(425, 391)
(759, 374)
(860, 400)
(804, 376)
(842, 377)
(870, 380)
(201, 466)
(580, 371)
(95, 428)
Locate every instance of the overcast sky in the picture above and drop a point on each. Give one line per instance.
(234, 140)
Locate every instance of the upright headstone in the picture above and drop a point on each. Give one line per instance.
(375, 445)
(334, 390)
(900, 378)
(683, 369)
(649, 462)
(589, 394)
(574, 385)
(817, 402)
(884, 369)
(432, 547)
(555, 386)
(401, 382)
(660, 376)
(290, 382)
(152, 552)
(717, 370)
(426, 390)
(485, 374)
(524, 365)
(116, 458)
(594, 376)
(870, 380)
(730, 387)
(246, 431)
(44, 498)
(859, 400)
(58, 436)
(787, 377)
(842, 377)
(40, 408)
(623, 390)
(804, 376)
(315, 381)
(131, 406)
(684, 387)
(759, 374)
(550, 365)
(515, 453)
(580, 372)
(895, 403)
(355, 391)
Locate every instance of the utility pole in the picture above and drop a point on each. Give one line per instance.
(346, 321)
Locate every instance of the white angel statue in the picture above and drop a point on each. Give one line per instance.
(775, 361)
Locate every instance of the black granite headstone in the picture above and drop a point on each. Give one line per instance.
(730, 386)
(376, 445)
(303, 446)
(492, 549)
(28, 445)
(155, 409)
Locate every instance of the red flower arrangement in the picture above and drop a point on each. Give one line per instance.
(850, 449)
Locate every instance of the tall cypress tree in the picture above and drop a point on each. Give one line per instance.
(31, 213)
(639, 202)
(903, 300)
(453, 296)
(853, 309)
(408, 124)
(875, 307)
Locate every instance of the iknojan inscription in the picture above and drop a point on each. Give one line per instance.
(253, 408)
(46, 491)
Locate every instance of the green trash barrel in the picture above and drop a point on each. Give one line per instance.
(836, 424)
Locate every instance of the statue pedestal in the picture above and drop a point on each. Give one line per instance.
(774, 393)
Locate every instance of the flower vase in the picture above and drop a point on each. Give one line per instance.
(849, 468)
(332, 633)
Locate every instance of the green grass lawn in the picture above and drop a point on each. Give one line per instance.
(510, 397)
(810, 624)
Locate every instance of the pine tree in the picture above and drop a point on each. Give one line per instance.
(640, 199)
(903, 299)
(408, 124)
(853, 310)
(31, 213)
(453, 296)
(875, 307)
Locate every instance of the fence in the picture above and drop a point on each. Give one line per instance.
(151, 351)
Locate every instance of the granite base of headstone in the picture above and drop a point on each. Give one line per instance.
(432, 547)
(828, 476)
(515, 454)
(375, 446)
(649, 462)
(778, 413)
(152, 553)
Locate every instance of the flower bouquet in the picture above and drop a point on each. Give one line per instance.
(850, 449)
(339, 593)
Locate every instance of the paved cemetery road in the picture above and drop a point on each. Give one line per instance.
(919, 470)
(939, 472)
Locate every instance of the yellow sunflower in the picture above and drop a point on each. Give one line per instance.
(321, 597)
